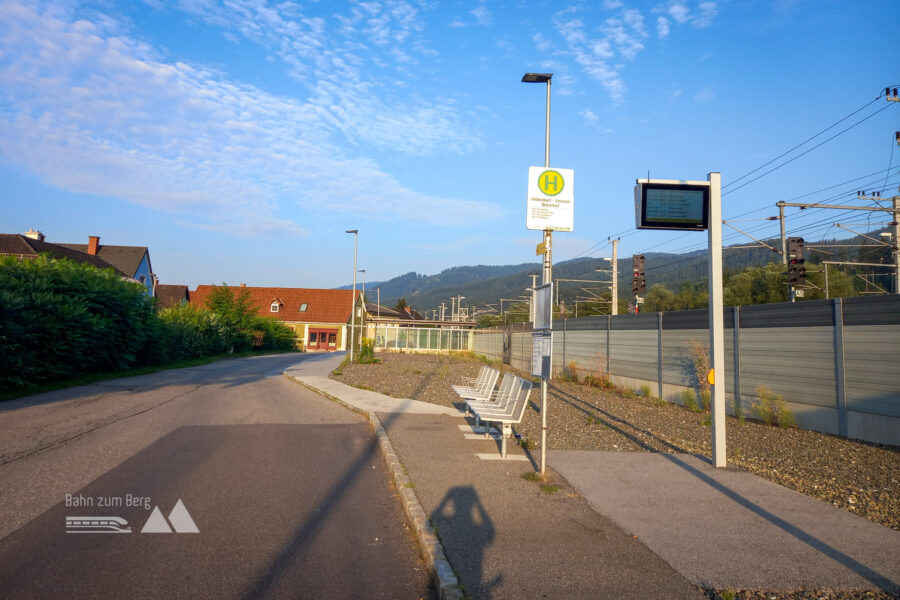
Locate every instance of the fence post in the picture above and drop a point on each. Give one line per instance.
(564, 345)
(608, 344)
(840, 390)
(736, 311)
(659, 353)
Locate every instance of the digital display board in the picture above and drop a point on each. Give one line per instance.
(680, 206)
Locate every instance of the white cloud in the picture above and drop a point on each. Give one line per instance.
(93, 112)
(662, 27)
(482, 15)
(707, 12)
(589, 116)
(679, 12)
(620, 37)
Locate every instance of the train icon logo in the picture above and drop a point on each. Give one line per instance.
(180, 520)
(97, 525)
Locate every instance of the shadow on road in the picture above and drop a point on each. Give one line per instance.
(463, 522)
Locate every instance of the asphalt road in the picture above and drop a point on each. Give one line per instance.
(286, 490)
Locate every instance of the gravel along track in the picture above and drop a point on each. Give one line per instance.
(859, 477)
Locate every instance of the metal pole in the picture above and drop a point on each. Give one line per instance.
(784, 256)
(615, 278)
(355, 233)
(895, 242)
(826, 281)
(548, 277)
(716, 320)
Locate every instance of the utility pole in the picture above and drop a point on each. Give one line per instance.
(894, 210)
(443, 308)
(453, 308)
(895, 225)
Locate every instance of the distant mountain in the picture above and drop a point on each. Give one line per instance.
(484, 284)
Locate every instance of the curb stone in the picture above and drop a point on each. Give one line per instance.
(444, 579)
(441, 572)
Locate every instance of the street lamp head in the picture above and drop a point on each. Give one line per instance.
(537, 77)
(352, 231)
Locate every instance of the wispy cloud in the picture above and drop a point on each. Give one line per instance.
(482, 15)
(598, 55)
(89, 109)
(680, 12)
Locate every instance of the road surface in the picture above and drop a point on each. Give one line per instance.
(220, 481)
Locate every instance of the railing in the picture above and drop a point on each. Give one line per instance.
(423, 339)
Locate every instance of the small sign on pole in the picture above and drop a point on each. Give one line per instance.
(551, 199)
(541, 353)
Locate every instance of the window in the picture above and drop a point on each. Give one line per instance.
(274, 307)
(303, 307)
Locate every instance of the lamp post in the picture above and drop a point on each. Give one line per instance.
(362, 324)
(355, 233)
(548, 257)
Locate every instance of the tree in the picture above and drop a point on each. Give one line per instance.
(762, 284)
(401, 305)
(659, 298)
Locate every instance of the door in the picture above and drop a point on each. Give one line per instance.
(322, 340)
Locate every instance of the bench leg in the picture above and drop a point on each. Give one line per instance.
(506, 430)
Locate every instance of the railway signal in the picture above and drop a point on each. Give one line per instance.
(796, 262)
(638, 283)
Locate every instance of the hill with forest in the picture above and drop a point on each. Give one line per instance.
(484, 285)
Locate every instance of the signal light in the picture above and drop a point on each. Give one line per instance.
(638, 282)
(796, 262)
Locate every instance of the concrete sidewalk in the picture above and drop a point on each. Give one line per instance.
(314, 374)
(624, 525)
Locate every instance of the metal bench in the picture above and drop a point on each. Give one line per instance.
(498, 400)
(511, 415)
(483, 387)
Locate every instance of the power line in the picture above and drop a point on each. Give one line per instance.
(863, 107)
(807, 151)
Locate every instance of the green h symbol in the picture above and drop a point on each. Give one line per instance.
(551, 180)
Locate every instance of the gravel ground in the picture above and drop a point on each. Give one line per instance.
(858, 477)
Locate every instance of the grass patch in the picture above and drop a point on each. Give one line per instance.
(535, 476)
(689, 399)
(90, 378)
(362, 386)
(550, 488)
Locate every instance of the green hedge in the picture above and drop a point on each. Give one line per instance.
(59, 319)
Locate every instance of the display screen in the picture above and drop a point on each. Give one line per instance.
(674, 206)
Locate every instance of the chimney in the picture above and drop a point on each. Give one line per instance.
(408, 310)
(243, 285)
(35, 235)
(93, 244)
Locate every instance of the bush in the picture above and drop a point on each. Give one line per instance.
(570, 372)
(60, 319)
(366, 351)
(772, 409)
(192, 332)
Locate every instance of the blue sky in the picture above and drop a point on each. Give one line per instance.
(239, 139)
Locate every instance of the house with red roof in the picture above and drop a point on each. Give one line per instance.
(321, 318)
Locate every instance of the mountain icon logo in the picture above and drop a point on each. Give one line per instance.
(180, 519)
